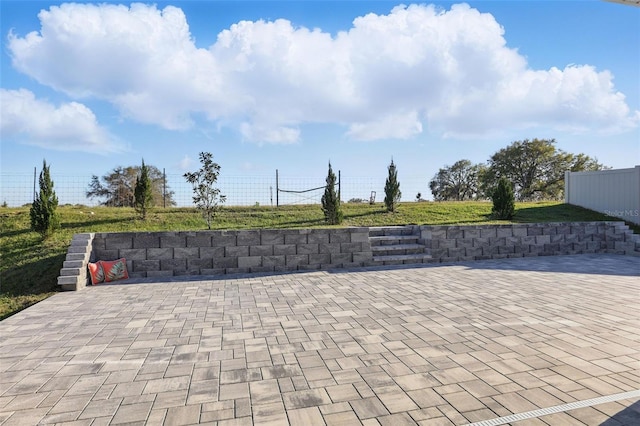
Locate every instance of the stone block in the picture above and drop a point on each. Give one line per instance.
(319, 258)
(438, 253)
(521, 248)
(504, 231)
(499, 256)
(310, 267)
(146, 240)
(519, 231)
(339, 236)
(199, 240)
(425, 233)
(296, 259)
(580, 246)
(118, 241)
(71, 271)
(106, 254)
(438, 232)
(236, 251)
(249, 261)
(473, 251)
(340, 258)
(329, 248)
(350, 247)
(248, 238)
(480, 242)
(464, 242)
(146, 265)
(319, 236)
(271, 237)
(133, 254)
(199, 264)
(551, 248)
(515, 255)
(175, 241)
(73, 264)
(307, 249)
(98, 243)
(557, 238)
(444, 244)
(490, 250)
(361, 257)
(186, 252)
(137, 274)
(454, 232)
(571, 238)
(456, 252)
(295, 238)
(488, 232)
(211, 252)
(506, 249)
(577, 229)
(483, 257)
(284, 249)
(471, 233)
(543, 239)
(224, 262)
(272, 261)
(261, 250)
(564, 229)
(549, 230)
(160, 253)
(223, 239)
(534, 230)
(498, 241)
(212, 271)
(231, 271)
(183, 272)
(173, 264)
(359, 236)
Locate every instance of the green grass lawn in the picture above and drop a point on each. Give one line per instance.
(29, 267)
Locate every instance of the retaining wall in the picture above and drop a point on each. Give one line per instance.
(160, 254)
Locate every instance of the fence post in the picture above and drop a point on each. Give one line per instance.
(339, 186)
(164, 188)
(277, 190)
(34, 184)
(567, 177)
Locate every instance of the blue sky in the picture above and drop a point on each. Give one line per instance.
(290, 85)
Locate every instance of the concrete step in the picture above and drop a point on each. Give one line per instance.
(377, 231)
(398, 249)
(401, 259)
(393, 240)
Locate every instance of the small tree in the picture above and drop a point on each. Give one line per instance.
(392, 192)
(503, 200)
(44, 218)
(331, 200)
(143, 193)
(206, 196)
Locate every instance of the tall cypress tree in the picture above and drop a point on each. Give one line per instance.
(143, 192)
(392, 192)
(44, 217)
(331, 201)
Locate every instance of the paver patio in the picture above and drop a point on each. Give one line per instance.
(433, 345)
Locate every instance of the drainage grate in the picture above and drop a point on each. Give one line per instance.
(557, 409)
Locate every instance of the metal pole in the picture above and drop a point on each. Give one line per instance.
(34, 184)
(277, 190)
(339, 186)
(164, 188)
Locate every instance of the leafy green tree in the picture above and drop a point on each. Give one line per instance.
(536, 168)
(392, 192)
(458, 182)
(143, 193)
(206, 196)
(44, 217)
(117, 188)
(503, 200)
(331, 200)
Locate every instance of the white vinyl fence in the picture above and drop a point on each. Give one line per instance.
(612, 192)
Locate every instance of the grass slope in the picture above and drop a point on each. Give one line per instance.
(29, 266)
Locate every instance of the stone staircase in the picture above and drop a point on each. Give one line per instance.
(397, 245)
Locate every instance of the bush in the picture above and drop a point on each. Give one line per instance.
(206, 196)
(331, 200)
(44, 217)
(392, 189)
(503, 200)
(143, 194)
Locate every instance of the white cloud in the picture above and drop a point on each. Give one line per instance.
(388, 76)
(186, 163)
(69, 126)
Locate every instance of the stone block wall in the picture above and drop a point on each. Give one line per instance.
(461, 243)
(157, 254)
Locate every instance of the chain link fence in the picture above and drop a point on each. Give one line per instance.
(18, 189)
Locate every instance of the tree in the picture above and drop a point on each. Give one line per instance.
(117, 188)
(536, 168)
(503, 200)
(44, 217)
(392, 192)
(143, 195)
(331, 200)
(206, 196)
(458, 182)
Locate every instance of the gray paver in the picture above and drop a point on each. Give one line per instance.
(445, 344)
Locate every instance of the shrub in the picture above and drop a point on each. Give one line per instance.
(392, 189)
(143, 192)
(503, 200)
(331, 200)
(206, 196)
(44, 217)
